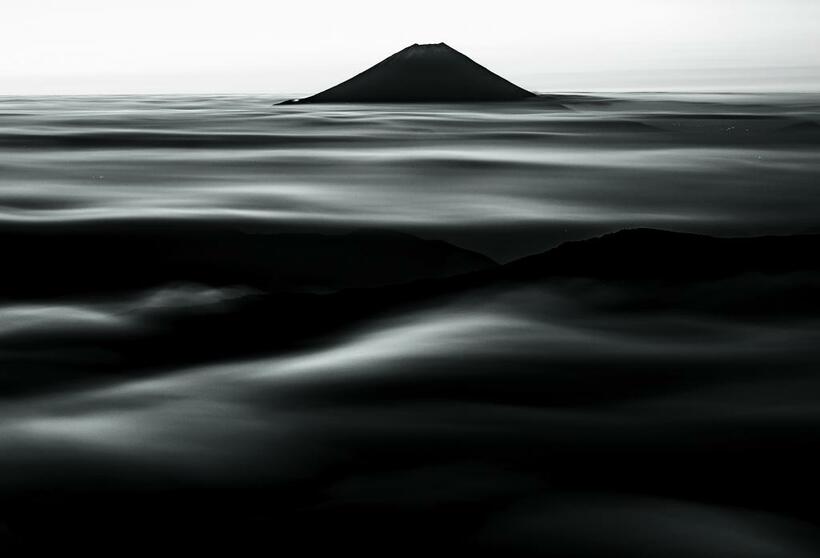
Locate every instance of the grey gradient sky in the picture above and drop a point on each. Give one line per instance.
(255, 46)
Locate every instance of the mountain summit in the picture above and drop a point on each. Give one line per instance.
(418, 74)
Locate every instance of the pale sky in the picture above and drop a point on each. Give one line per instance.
(273, 47)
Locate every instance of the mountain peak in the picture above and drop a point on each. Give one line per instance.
(433, 72)
(429, 46)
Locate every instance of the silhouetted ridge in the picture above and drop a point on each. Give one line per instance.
(389, 273)
(422, 73)
(115, 257)
(651, 253)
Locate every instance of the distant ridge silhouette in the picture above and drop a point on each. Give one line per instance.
(418, 74)
(106, 258)
(367, 275)
(644, 253)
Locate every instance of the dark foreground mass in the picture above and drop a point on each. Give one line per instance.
(245, 334)
(645, 390)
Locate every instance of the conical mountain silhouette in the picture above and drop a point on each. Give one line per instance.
(422, 73)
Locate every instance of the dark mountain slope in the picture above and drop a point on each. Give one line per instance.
(422, 73)
(651, 253)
